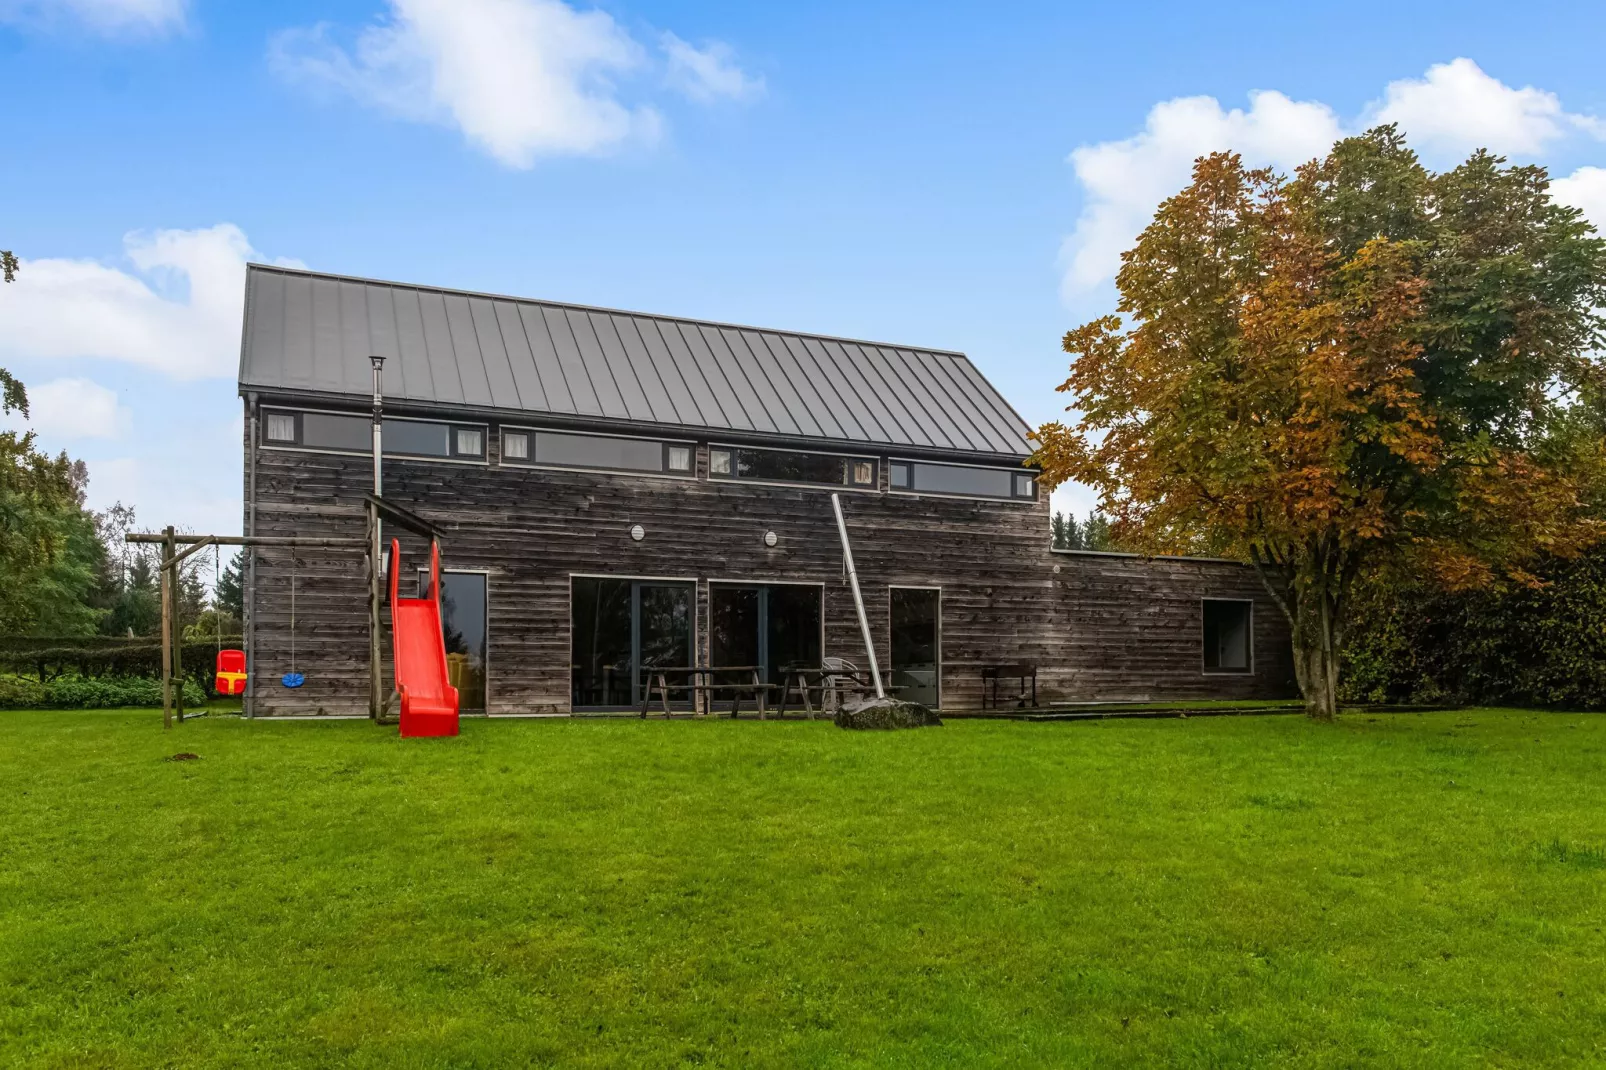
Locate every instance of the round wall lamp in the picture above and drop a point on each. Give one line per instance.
(637, 533)
(770, 538)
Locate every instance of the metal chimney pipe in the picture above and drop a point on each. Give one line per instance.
(858, 599)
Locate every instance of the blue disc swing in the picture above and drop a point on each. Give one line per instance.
(292, 678)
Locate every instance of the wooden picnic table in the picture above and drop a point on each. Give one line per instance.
(702, 683)
(801, 679)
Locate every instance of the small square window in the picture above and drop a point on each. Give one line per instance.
(515, 446)
(281, 427)
(470, 442)
(1025, 486)
(898, 475)
(863, 473)
(719, 462)
(680, 458)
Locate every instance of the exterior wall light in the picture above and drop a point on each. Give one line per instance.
(637, 533)
(770, 538)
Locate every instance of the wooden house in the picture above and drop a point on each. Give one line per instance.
(619, 491)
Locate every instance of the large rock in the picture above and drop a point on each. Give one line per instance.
(885, 713)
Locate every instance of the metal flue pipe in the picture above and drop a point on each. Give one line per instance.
(858, 599)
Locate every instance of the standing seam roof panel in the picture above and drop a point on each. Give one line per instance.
(418, 377)
(575, 374)
(381, 316)
(856, 378)
(631, 389)
(780, 416)
(493, 353)
(819, 410)
(443, 368)
(609, 394)
(886, 386)
(298, 331)
(520, 361)
(939, 421)
(470, 351)
(326, 355)
(1004, 418)
(719, 386)
(547, 364)
(659, 397)
(753, 411)
(266, 320)
(853, 406)
(678, 366)
(803, 414)
(355, 334)
(978, 430)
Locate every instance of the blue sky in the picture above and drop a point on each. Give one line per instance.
(954, 175)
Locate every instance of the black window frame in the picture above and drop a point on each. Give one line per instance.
(1248, 668)
(534, 459)
(909, 467)
(844, 482)
(300, 441)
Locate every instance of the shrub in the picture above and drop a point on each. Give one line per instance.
(1542, 646)
(88, 692)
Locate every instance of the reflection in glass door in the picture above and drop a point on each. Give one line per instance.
(463, 626)
(620, 627)
(774, 626)
(917, 644)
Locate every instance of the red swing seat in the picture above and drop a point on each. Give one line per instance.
(230, 678)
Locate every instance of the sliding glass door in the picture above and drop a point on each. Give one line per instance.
(772, 626)
(619, 629)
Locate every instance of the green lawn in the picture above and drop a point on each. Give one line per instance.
(1395, 890)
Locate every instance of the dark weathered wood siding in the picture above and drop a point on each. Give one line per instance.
(1099, 626)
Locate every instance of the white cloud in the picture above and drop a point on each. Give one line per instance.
(104, 16)
(709, 73)
(177, 312)
(1124, 180)
(1456, 108)
(520, 78)
(1584, 189)
(70, 409)
(1453, 109)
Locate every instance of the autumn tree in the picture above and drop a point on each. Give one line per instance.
(1368, 366)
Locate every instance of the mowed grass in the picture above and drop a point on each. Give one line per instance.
(1393, 890)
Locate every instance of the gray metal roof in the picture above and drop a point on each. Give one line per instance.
(310, 332)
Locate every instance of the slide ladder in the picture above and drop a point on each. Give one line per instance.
(428, 700)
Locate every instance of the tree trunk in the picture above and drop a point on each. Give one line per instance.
(1311, 592)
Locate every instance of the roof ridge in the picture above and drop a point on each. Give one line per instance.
(418, 286)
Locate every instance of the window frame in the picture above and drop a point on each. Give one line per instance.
(871, 487)
(299, 446)
(532, 462)
(911, 491)
(1249, 639)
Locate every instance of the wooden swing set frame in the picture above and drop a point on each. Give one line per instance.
(376, 510)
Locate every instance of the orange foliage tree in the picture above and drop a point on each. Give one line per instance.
(1365, 367)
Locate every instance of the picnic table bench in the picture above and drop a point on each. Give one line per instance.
(702, 682)
(802, 679)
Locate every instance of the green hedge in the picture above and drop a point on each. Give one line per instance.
(1519, 646)
(88, 692)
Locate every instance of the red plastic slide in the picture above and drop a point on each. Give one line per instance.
(428, 700)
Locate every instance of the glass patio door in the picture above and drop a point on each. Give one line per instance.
(620, 627)
(463, 627)
(916, 666)
(774, 626)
